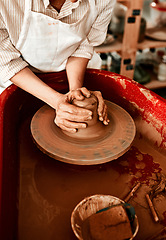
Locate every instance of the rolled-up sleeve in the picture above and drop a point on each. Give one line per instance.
(98, 30)
(10, 58)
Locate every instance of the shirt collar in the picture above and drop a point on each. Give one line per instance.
(71, 5)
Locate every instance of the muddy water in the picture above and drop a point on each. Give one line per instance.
(49, 189)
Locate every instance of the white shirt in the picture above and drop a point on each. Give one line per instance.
(11, 19)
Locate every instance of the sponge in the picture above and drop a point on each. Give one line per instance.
(112, 224)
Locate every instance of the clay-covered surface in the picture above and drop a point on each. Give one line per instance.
(52, 189)
(39, 193)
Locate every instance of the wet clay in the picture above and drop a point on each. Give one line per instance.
(95, 128)
(95, 144)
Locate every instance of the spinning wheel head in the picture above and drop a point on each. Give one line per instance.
(94, 145)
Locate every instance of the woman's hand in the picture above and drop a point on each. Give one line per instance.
(70, 117)
(80, 93)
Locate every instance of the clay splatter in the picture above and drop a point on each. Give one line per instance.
(138, 164)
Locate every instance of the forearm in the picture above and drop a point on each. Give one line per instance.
(75, 70)
(29, 82)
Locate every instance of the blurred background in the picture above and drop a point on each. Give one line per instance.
(136, 43)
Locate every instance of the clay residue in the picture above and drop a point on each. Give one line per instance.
(140, 165)
(122, 82)
(149, 96)
(137, 107)
(47, 211)
(154, 132)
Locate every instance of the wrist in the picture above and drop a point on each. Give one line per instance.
(75, 86)
(56, 100)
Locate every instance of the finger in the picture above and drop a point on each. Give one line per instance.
(105, 116)
(67, 107)
(100, 108)
(78, 94)
(106, 121)
(104, 110)
(85, 92)
(71, 130)
(75, 94)
(100, 102)
(73, 117)
(69, 98)
(69, 124)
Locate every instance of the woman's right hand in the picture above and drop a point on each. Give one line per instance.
(70, 117)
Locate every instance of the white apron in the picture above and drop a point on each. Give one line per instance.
(46, 43)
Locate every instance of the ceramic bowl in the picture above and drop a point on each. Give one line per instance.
(90, 205)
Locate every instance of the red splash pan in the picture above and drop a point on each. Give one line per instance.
(38, 194)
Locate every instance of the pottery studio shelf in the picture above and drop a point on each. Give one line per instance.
(129, 45)
(117, 45)
(147, 43)
(155, 84)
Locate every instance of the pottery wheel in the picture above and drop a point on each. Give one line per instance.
(109, 142)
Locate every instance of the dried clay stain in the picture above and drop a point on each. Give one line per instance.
(138, 164)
